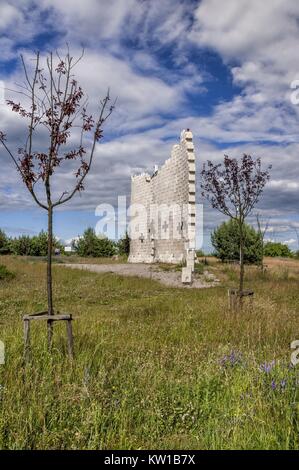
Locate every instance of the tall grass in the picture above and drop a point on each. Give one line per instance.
(154, 367)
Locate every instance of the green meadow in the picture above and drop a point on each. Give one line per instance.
(154, 367)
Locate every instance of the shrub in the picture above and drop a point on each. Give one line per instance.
(200, 254)
(33, 246)
(21, 245)
(199, 268)
(39, 244)
(4, 243)
(5, 274)
(92, 245)
(226, 242)
(277, 249)
(123, 245)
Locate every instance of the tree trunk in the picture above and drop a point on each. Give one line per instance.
(49, 274)
(241, 284)
(262, 252)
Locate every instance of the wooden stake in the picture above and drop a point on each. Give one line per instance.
(50, 334)
(26, 339)
(70, 341)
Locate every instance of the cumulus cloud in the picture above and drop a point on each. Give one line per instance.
(9, 16)
(259, 42)
(290, 242)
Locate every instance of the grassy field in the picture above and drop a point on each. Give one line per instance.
(154, 367)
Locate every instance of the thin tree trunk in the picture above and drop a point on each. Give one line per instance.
(49, 274)
(241, 285)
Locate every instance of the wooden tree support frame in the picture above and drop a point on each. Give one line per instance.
(235, 297)
(27, 319)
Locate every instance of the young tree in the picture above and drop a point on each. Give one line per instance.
(56, 110)
(233, 188)
(262, 230)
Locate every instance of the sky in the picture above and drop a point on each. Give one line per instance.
(226, 70)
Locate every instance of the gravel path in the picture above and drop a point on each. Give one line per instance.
(169, 278)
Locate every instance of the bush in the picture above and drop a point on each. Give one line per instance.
(21, 245)
(200, 254)
(39, 244)
(277, 249)
(4, 243)
(199, 268)
(92, 245)
(123, 245)
(5, 274)
(33, 246)
(226, 241)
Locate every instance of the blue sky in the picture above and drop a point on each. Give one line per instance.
(223, 72)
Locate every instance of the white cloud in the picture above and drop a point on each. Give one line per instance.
(245, 29)
(92, 19)
(70, 241)
(284, 184)
(111, 20)
(289, 242)
(138, 95)
(258, 40)
(9, 15)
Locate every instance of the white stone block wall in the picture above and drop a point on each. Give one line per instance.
(156, 232)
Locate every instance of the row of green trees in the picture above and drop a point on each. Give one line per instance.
(88, 245)
(25, 245)
(226, 243)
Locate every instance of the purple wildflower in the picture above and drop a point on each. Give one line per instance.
(232, 359)
(273, 385)
(283, 383)
(267, 367)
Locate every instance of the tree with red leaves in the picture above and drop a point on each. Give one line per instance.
(234, 188)
(56, 107)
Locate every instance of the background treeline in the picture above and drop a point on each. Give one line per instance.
(225, 241)
(89, 245)
(25, 245)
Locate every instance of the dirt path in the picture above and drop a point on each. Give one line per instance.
(168, 278)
